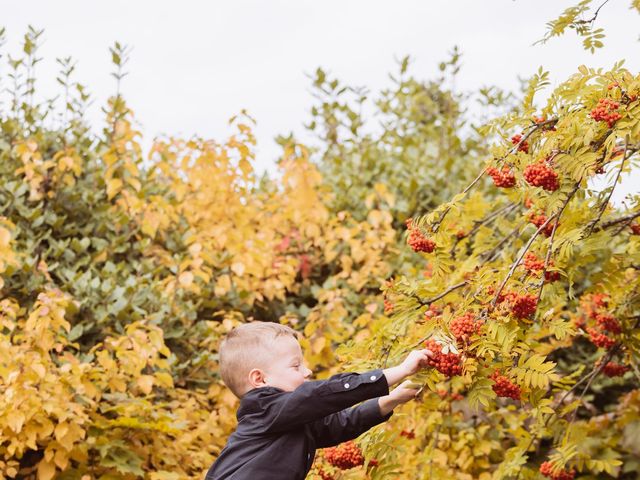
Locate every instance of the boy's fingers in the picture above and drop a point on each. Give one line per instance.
(411, 385)
(427, 352)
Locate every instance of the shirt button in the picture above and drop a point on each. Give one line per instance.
(346, 385)
(373, 377)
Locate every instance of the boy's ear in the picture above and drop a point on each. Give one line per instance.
(257, 378)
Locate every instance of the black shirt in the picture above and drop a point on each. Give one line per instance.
(278, 432)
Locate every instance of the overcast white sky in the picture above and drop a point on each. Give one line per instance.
(194, 64)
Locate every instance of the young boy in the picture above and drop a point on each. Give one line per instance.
(283, 417)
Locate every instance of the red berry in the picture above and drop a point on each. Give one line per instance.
(608, 322)
(523, 306)
(605, 111)
(504, 387)
(540, 174)
(344, 456)
(524, 146)
(635, 228)
(446, 363)
(539, 219)
(600, 339)
(613, 369)
(503, 178)
(528, 203)
(408, 433)
(535, 264)
(463, 327)
(417, 241)
(546, 469)
(388, 306)
(325, 475)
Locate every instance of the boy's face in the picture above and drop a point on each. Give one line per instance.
(286, 370)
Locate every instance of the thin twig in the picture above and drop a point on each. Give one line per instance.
(603, 207)
(485, 221)
(515, 264)
(513, 149)
(443, 294)
(490, 253)
(627, 218)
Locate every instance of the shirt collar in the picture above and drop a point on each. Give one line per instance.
(253, 400)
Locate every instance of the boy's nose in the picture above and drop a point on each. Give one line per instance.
(308, 373)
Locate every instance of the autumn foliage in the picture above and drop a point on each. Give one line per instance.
(121, 271)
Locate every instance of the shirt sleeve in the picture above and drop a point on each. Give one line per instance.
(347, 424)
(314, 400)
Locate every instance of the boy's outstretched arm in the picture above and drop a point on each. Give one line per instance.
(353, 422)
(314, 400)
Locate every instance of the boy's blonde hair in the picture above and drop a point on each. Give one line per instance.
(246, 347)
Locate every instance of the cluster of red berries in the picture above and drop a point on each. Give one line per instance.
(463, 327)
(491, 290)
(388, 306)
(460, 234)
(545, 128)
(608, 322)
(410, 434)
(447, 363)
(546, 469)
(593, 306)
(613, 369)
(432, 311)
(523, 306)
(524, 146)
(539, 219)
(325, 475)
(605, 111)
(535, 264)
(417, 241)
(454, 395)
(599, 339)
(593, 302)
(540, 174)
(635, 228)
(504, 387)
(503, 178)
(344, 456)
(528, 203)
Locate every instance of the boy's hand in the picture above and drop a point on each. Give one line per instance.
(401, 394)
(406, 391)
(416, 360)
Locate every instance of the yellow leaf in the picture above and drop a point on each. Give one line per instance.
(245, 167)
(46, 470)
(318, 344)
(223, 285)
(61, 430)
(39, 369)
(185, 279)
(145, 383)
(164, 379)
(113, 187)
(16, 421)
(237, 268)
